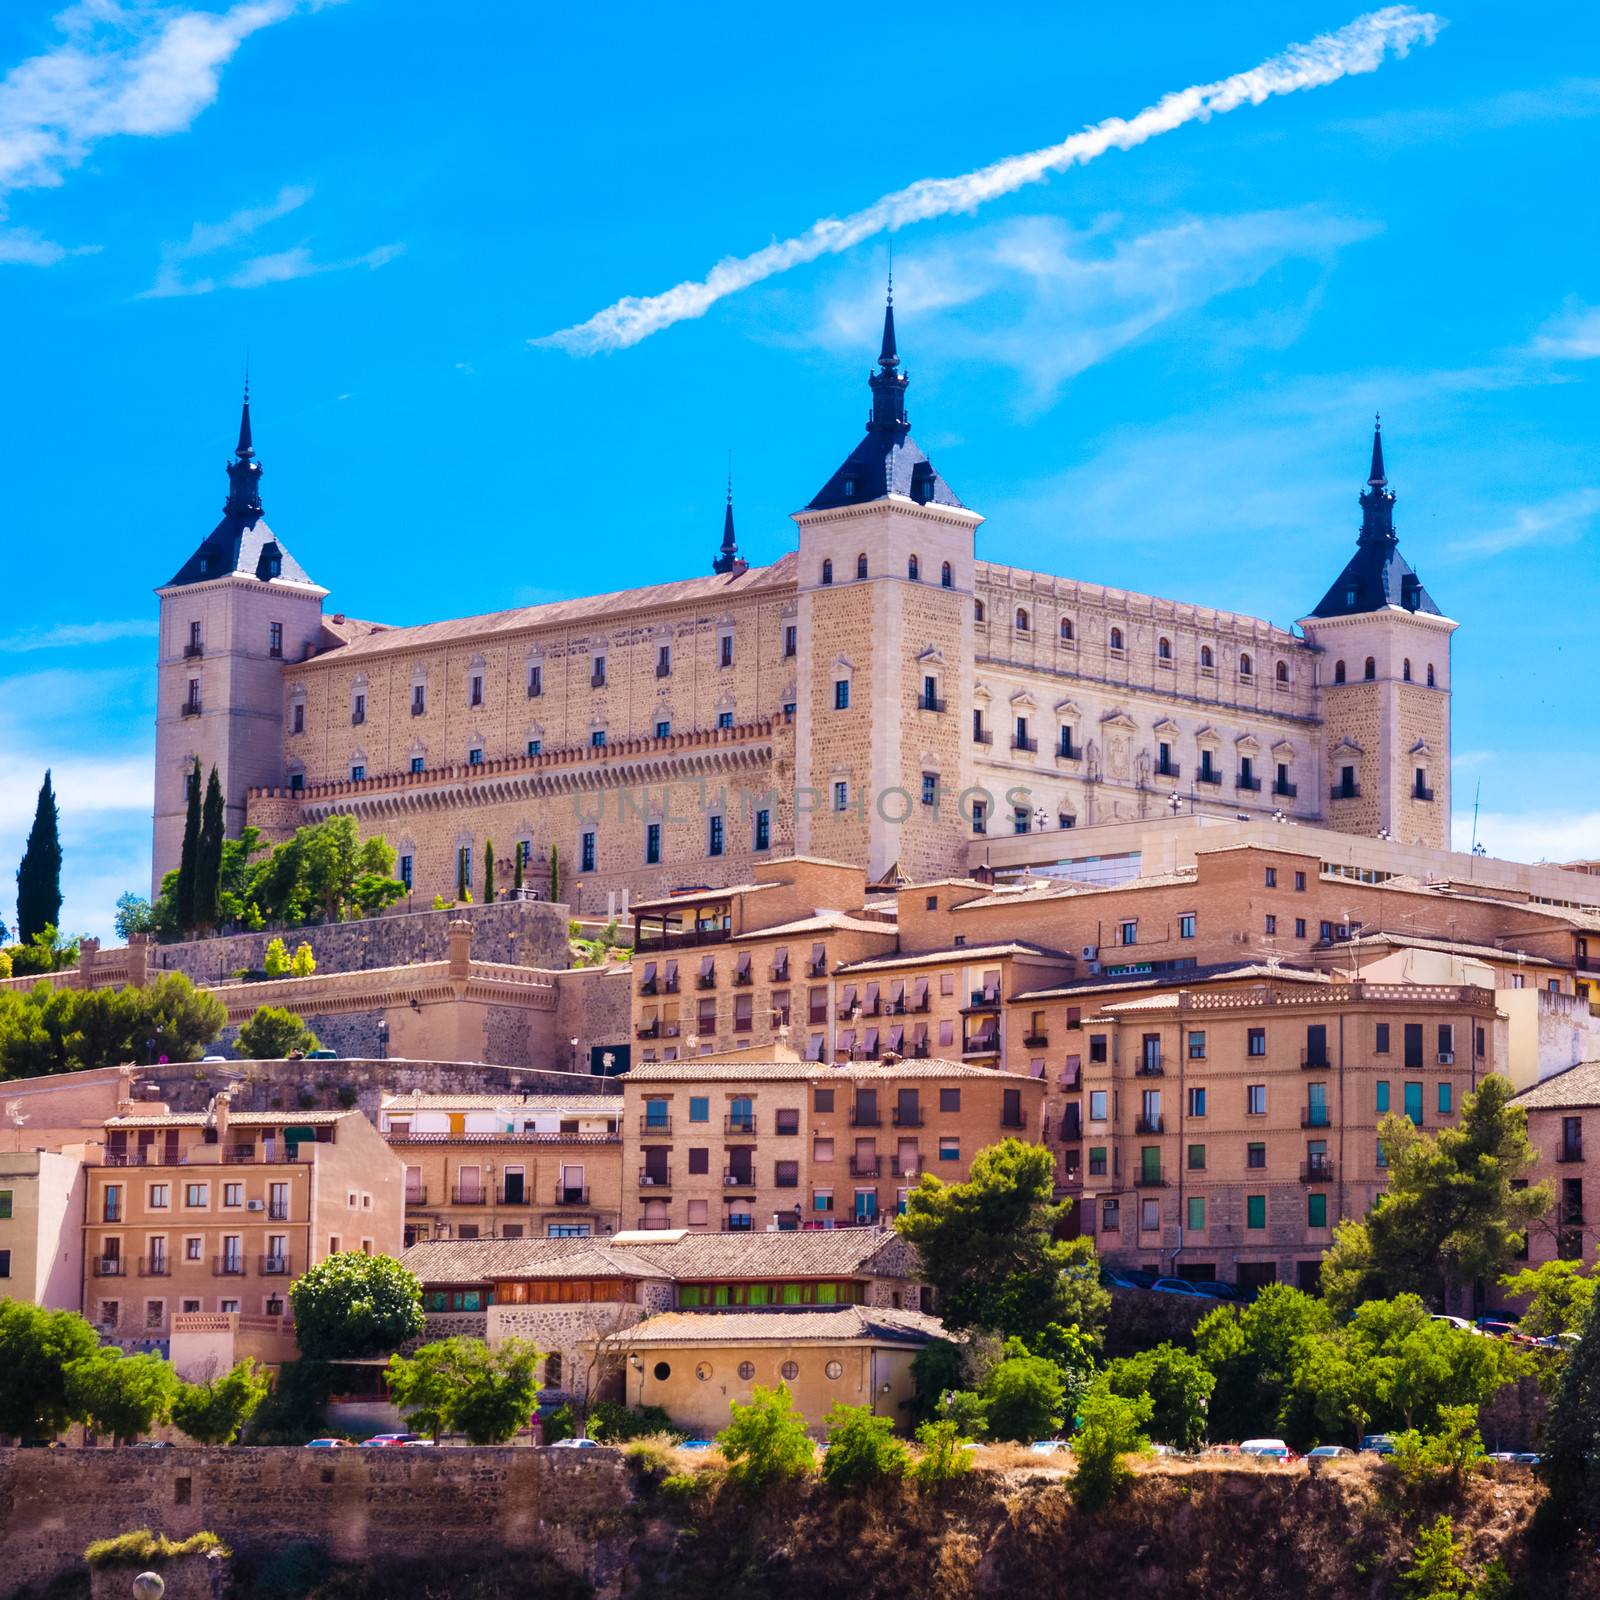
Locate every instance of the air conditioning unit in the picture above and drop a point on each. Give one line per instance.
(1091, 952)
(1447, 1058)
(730, 1181)
(646, 1181)
(255, 1205)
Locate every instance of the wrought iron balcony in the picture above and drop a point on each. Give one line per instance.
(275, 1266)
(1169, 769)
(739, 1122)
(470, 1196)
(907, 1117)
(569, 1196)
(865, 1117)
(931, 702)
(1024, 743)
(1285, 790)
(655, 1177)
(982, 736)
(1319, 1169)
(227, 1266)
(656, 1127)
(155, 1267)
(1345, 791)
(1144, 1124)
(110, 1267)
(193, 651)
(1250, 784)
(865, 1166)
(1315, 1117)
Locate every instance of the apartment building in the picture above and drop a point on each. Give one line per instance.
(735, 1146)
(1558, 1109)
(219, 1212)
(1225, 1131)
(41, 1227)
(507, 1166)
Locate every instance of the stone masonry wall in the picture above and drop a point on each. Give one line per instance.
(361, 1505)
(525, 933)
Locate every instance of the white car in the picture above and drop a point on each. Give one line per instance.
(1459, 1323)
(1265, 1449)
(576, 1444)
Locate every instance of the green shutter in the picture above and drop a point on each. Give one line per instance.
(1255, 1211)
(1316, 1211)
(1197, 1214)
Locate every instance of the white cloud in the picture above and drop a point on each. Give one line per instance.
(67, 635)
(1566, 100)
(1532, 835)
(1561, 520)
(1573, 335)
(287, 265)
(1360, 46)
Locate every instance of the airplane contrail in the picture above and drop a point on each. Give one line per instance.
(1359, 46)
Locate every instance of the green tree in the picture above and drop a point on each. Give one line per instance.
(495, 1408)
(134, 915)
(462, 1386)
(935, 1368)
(275, 958)
(862, 1448)
(1179, 1386)
(303, 963)
(488, 871)
(186, 890)
(353, 1305)
(943, 1456)
(170, 1017)
(766, 1441)
(208, 856)
(1558, 1295)
(555, 874)
(1112, 1429)
(1570, 1462)
(39, 874)
(36, 1348)
(1023, 1396)
(323, 871)
(967, 1410)
(215, 1412)
(272, 1034)
(1451, 1212)
(1449, 1454)
(1437, 1570)
(516, 868)
(988, 1244)
(122, 1395)
(1254, 1354)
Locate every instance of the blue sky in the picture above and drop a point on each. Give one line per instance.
(1155, 369)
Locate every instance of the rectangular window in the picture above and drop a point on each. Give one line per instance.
(1299, 927)
(474, 691)
(586, 852)
(535, 680)
(699, 1159)
(1255, 1100)
(1097, 1161)
(419, 699)
(841, 694)
(714, 836)
(822, 1100)
(1444, 1100)
(763, 830)
(699, 1108)
(407, 869)
(1413, 1102)
(274, 638)
(1272, 924)
(1097, 1047)
(1186, 925)
(1300, 883)
(1447, 1040)
(724, 719)
(949, 1099)
(1316, 1211)
(790, 640)
(841, 796)
(357, 772)
(1197, 1158)
(663, 730)
(1255, 1156)
(1255, 1211)
(233, 1194)
(160, 1199)
(597, 677)
(1197, 1102)
(1272, 877)
(725, 651)
(1128, 933)
(597, 739)
(930, 788)
(1381, 1096)
(1149, 1215)
(1197, 1214)
(197, 1194)
(1258, 1041)
(1316, 1045)
(1413, 1044)
(297, 718)
(1097, 1105)
(652, 844)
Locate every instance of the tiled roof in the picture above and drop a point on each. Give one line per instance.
(1186, 978)
(797, 1071)
(582, 609)
(1411, 941)
(245, 547)
(809, 1253)
(697, 897)
(477, 1260)
(783, 1325)
(822, 922)
(1575, 1089)
(585, 1105)
(1025, 894)
(959, 952)
(236, 1119)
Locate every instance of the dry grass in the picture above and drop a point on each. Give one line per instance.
(1007, 1457)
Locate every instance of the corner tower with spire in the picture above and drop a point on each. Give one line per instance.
(1383, 669)
(235, 613)
(885, 649)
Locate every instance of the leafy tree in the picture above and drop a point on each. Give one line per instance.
(1023, 1396)
(967, 1410)
(516, 868)
(1112, 1428)
(1437, 1571)
(1450, 1214)
(988, 1244)
(1253, 1354)
(322, 872)
(170, 1017)
(1451, 1453)
(1558, 1295)
(862, 1449)
(460, 1385)
(215, 1412)
(134, 915)
(943, 1456)
(293, 1410)
(614, 1422)
(353, 1305)
(1570, 1463)
(936, 1368)
(1179, 1386)
(39, 874)
(493, 1409)
(275, 958)
(122, 1395)
(186, 890)
(488, 871)
(208, 856)
(46, 951)
(303, 963)
(766, 1441)
(36, 1348)
(272, 1034)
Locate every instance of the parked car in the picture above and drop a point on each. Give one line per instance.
(1179, 1286)
(576, 1444)
(328, 1444)
(1217, 1290)
(322, 1055)
(1110, 1279)
(388, 1441)
(1220, 1450)
(1048, 1447)
(1460, 1323)
(694, 1444)
(1329, 1452)
(1495, 1328)
(1377, 1444)
(1267, 1450)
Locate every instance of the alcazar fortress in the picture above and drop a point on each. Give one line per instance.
(878, 695)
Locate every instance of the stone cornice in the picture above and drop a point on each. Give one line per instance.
(1423, 619)
(951, 516)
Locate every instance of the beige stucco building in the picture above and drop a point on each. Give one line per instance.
(41, 1227)
(1558, 1110)
(874, 693)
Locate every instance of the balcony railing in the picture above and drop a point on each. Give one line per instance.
(1149, 1178)
(357, 717)
(982, 736)
(739, 1122)
(1345, 791)
(655, 1127)
(738, 1177)
(227, 1266)
(706, 980)
(110, 1267)
(597, 680)
(1024, 743)
(865, 1166)
(414, 1197)
(1149, 1067)
(566, 1195)
(907, 1116)
(648, 1030)
(743, 975)
(931, 702)
(1286, 790)
(1169, 769)
(1315, 1117)
(865, 1117)
(1036, 1041)
(663, 669)
(189, 708)
(1315, 1060)
(274, 1266)
(1570, 1152)
(1013, 1119)
(981, 1044)
(472, 1195)
(1144, 1124)
(1247, 783)
(1067, 751)
(1421, 792)
(192, 651)
(155, 1267)
(1209, 775)
(513, 1193)
(984, 1000)
(779, 973)
(1319, 1169)
(655, 1177)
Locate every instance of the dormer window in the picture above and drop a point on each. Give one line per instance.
(849, 486)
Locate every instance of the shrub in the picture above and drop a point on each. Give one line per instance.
(1454, 1451)
(1022, 1397)
(651, 1457)
(303, 963)
(943, 1457)
(140, 1547)
(862, 1448)
(276, 960)
(766, 1442)
(1112, 1427)
(615, 1423)
(967, 1411)
(272, 1033)
(215, 1412)
(1436, 1571)
(560, 1424)
(1179, 1387)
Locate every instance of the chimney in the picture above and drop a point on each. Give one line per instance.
(219, 1116)
(460, 949)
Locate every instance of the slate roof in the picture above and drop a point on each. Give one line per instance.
(244, 548)
(887, 461)
(783, 1325)
(1578, 1088)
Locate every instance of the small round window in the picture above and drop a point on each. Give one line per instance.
(662, 1371)
(747, 1370)
(703, 1371)
(835, 1369)
(790, 1369)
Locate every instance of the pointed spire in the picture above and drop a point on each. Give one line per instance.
(888, 356)
(728, 556)
(1377, 499)
(244, 471)
(888, 383)
(243, 450)
(1377, 479)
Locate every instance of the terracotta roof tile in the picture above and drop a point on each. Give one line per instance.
(782, 1325)
(1576, 1088)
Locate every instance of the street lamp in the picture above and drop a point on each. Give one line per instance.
(574, 1043)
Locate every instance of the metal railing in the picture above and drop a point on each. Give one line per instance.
(1023, 742)
(865, 1117)
(1144, 1124)
(414, 1197)
(1169, 769)
(655, 1127)
(655, 1177)
(1345, 791)
(1036, 1041)
(110, 1267)
(931, 702)
(739, 1122)
(568, 1196)
(470, 1196)
(1319, 1169)
(155, 1267)
(1251, 784)
(982, 736)
(274, 1266)
(1285, 789)
(1315, 1060)
(1149, 1178)
(227, 1266)
(738, 1177)
(865, 1166)
(1315, 1117)
(907, 1116)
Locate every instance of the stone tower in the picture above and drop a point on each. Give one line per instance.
(1384, 673)
(885, 645)
(238, 608)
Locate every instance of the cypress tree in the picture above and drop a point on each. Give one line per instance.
(183, 892)
(555, 874)
(516, 868)
(208, 855)
(39, 875)
(488, 871)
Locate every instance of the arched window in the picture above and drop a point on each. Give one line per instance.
(827, 572)
(1164, 649)
(977, 611)
(1338, 672)
(1405, 669)
(1283, 672)
(861, 565)
(913, 568)
(1116, 638)
(1370, 670)
(1430, 674)
(1022, 620)
(947, 579)
(552, 1370)
(1066, 629)
(1207, 660)
(1245, 668)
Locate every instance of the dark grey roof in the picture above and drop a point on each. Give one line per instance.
(249, 549)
